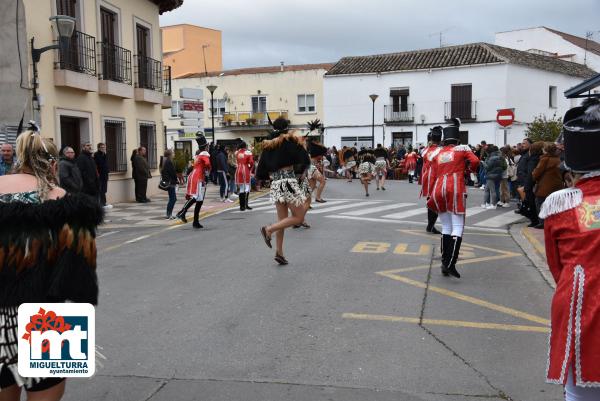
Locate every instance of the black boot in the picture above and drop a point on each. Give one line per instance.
(181, 214)
(196, 223)
(446, 253)
(431, 219)
(247, 197)
(454, 251)
(242, 199)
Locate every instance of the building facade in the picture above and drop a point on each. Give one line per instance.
(421, 89)
(244, 99)
(190, 49)
(550, 42)
(106, 84)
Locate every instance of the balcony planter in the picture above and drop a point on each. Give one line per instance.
(251, 121)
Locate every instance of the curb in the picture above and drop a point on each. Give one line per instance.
(533, 250)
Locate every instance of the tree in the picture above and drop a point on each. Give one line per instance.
(544, 129)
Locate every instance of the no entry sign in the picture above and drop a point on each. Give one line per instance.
(505, 117)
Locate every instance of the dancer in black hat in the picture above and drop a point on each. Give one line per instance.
(429, 153)
(284, 155)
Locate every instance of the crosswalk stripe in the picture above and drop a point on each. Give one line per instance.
(376, 209)
(473, 211)
(340, 207)
(314, 205)
(261, 203)
(405, 214)
(500, 220)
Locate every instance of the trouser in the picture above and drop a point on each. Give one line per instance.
(172, 200)
(103, 189)
(504, 191)
(491, 195)
(452, 224)
(539, 201)
(223, 187)
(575, 393)
(140, 189)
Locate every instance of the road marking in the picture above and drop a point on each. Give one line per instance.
(466, 298)
(377, 209)
(131, 241)
(474, 211)
(264, 202)
(271, 207)
(402, 249)
(371, 247)
(107, 234)
(443, 322)
(536, 244)
(344, 206)
(419, 223)
(405, 214)
(503, 219)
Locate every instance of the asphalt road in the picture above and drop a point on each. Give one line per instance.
(360, 313)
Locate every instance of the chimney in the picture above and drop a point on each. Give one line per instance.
(282, 66)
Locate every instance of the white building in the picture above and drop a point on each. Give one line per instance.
(420, 89)
(550, 42)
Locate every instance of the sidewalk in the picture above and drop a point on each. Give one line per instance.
(133, 214)
(531, 240)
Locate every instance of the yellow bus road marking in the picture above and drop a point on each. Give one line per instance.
(450, 323)
(536, 244)
(402, 249)
(469, 299)
(459, 263)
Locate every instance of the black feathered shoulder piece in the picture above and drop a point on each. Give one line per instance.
(48, 251)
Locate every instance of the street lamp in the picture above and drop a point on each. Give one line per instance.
(211, 89)
(65, 25)
(373, 98)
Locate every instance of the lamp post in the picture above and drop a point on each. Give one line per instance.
(373, 98)
(211, 89)
(65, 25)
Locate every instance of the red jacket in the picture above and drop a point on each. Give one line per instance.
(245, 164)
(425, 179)
(449, 191)
(572, 236)
(411, 161)
(201, 164)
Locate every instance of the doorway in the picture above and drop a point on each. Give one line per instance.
(70, 133)
(402, 138)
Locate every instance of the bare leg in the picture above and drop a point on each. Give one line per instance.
(54, 393)
(382, 179)
(282, 214)
(322, 182)
(11, 393)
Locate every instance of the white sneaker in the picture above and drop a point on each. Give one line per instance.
(492, 207)
(485, 205)
(482, 187)
(233, 196)
(500, 204)
(506, 204)
(107, 206)
(228, 201)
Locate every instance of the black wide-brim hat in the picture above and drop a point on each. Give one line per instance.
(201, 140)
(581, 137)
(436, 133)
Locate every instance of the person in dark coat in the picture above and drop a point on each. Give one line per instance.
(141, 173)
(535, 151)
(547, 176)
(89, 174)
(522, 173)
(168, 174)
(103, 170)
(69, 175)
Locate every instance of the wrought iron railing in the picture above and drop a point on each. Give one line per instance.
(149, 73)
(248, 118)
(116, 145)
(465, 110)
(115, 63)
(167, 80)
(395, 114)
(77, 53)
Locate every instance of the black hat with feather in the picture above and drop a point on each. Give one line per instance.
(581, 137)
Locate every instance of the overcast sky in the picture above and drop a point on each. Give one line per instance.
(265, 32)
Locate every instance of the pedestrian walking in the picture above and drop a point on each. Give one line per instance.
(7, 159)
(281, 153)
(69, 175)
(494, 165)
(427, 176)
(87, 166)
(449, 193)
(102, 167)
(48, 249)
(196, 183)
(168, 175)
(572, 235)
(141, 174)
(243, 174)
(382, 164)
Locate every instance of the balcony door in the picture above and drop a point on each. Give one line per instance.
(69, 51)
(110, 59)
(461, 101)
(143, 54)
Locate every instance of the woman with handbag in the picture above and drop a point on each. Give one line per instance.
(168, 181)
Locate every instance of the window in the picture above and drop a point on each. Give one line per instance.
(148, 141)
(552, 96)
(461, 104)
(176, 108)
(399, 99)
(219, 106)
(116, 145)
(306, 103)
(259, 104)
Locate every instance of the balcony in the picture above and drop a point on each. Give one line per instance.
(115, 71)
(246, 120)
(465, 110)
(76, 65)
(149, 80)
(394, 115)
(166, 103)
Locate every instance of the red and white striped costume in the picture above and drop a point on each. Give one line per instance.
(411, 161)
(245, 164)
(572, 236)
(197, 178)
(426, 176)
(449, 191)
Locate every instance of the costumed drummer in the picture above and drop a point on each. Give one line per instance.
(243, 174)
(572, 235)
(196, 184)
(449, 193)
(429, 153)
